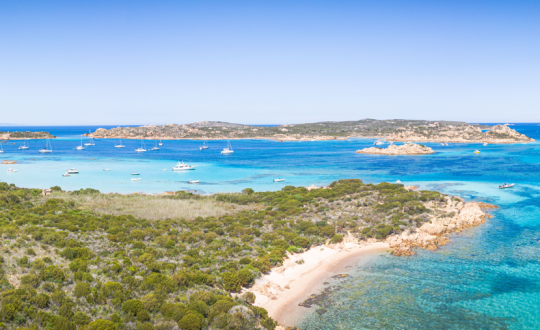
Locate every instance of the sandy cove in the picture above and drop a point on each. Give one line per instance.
(280, 291)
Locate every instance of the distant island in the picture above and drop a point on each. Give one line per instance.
(25, 135)
(405, 149)
(394, 130)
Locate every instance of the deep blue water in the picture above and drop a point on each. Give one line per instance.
(486, 278)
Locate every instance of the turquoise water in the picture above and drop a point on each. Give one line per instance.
(487, 277)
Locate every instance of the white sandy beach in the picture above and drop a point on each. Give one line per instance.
(280, 291)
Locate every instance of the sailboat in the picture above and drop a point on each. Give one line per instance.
(47, 149)
(1, 149)
(121, 145)
(142, 148)
(25, 144)
(160, 143)
(156, 147)
(81, 146)
(205, 144)
(91, 143)
(227, 150)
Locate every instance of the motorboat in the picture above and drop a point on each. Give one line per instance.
(106, 169)
(142, 148)
(135, 173)
(66, 174)
(180, 166)
(506, 185)
(378, 142)
(81, 146)
(121, 145)
(444, 144)
(47, 149)
(279, 180)
(476, 152)
(193, 181)
(73, 171)
(228, 150)
(136, 179)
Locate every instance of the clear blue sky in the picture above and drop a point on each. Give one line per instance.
(266, 62)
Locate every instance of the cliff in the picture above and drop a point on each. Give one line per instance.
(405, 149)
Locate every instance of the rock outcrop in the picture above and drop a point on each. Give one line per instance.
(432, 234)
(405, 149)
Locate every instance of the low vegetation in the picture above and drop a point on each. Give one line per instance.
(66, 265)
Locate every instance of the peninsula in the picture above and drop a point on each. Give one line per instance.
(25, 135)
(395, 130)
(405, 149)
(77, 259)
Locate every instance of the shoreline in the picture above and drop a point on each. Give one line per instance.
(281, 290)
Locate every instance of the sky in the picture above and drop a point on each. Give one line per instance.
(268, 62)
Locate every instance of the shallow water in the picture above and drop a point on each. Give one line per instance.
(486, 278)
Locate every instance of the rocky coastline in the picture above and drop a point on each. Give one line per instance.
(393, 130)
(25, 135)
(405, 149)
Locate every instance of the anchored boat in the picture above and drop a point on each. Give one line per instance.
(506, 185)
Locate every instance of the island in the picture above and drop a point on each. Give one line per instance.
(25, 135)
(405, 149)
(84, 259)
(394, 130)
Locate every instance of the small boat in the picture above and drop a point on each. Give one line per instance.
(91, 143)
(136, 179)
(228, 150)
(25, 144)
(106, 169)
(155, 148)
(81, 146)
(66, 174)
(485, 144)
(279, 180)
(193, 181)
(205, 144)
(444, 144)
(1, 149)
(135, 173)
(73, 171)
(47, 149)
(506, 185)
(398, 181)
(121, 145)
(378, 142)
(164, 169)
(180, 166)
(11, 170)
(476, 152)
(142, 148)
(160, 143)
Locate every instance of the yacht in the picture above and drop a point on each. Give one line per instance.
(81, 146)
(156, 147)
(142, 148)
(47, 149)
(73, 171)
(205, 144)
(229, 149)
(91, 143)
(183, 167)
(25, 143)
(121, 145)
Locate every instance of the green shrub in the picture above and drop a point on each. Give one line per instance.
(102, 325)
(132, 307)
(82, 289)
(191, 321)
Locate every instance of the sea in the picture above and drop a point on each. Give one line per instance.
(487, 277)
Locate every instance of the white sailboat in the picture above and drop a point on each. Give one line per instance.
(91, 143)
(205, 144)
(229, 149)
(25, 144)
(142, 148)
(1, 149)
(81, 146)
(156, 147)
(160, 143)
(47, 149)
(121, 145)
